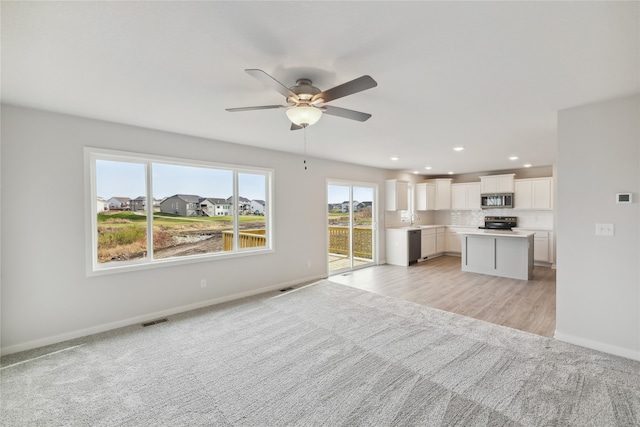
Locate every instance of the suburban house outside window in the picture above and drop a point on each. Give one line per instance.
(161, 210)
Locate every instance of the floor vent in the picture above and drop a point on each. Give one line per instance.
(286, 289)
(153, 322)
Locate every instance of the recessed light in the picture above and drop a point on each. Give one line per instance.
(416, 172)
(528, 165)
(428, 168)
(450, 172)
(514, 158)
(394, 158)
(458, 148)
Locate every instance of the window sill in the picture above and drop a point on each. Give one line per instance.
(126, 267)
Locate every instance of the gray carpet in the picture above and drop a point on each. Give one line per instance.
(322, 355)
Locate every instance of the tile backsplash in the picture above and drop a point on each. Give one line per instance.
(533, 219)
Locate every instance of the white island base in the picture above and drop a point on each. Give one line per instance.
(498, 253)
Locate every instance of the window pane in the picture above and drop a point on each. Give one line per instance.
(122, 219)
(338, 218)
(196, 209)
(192, 210)
(362, 224)
(252, 210)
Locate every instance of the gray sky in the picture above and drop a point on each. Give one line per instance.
(340, 193)
(120, 179)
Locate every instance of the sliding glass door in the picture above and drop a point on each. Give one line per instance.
(351, 225)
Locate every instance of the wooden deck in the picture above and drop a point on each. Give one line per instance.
(528, 305)
(339, 262)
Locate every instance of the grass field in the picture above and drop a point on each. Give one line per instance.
(122, 235)
(342, 218)
(161, 218)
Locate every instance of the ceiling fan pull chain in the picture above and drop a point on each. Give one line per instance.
(304, 161)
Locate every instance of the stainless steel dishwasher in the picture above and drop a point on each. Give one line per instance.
(415, 245)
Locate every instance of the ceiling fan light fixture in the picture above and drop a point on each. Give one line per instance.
(304, 115)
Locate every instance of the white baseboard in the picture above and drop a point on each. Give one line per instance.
(458, 254)
(146, 317)
(595, 345)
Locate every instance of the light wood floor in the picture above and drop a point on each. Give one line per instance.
(526, 305)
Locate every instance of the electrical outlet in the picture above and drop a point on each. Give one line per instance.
(604, 229)
(309, 264)
(203, 283)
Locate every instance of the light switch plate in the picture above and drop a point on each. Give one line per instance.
(604, 229)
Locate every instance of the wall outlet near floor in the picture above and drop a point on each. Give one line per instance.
(309, 264)
(604, 229)
(203, 283)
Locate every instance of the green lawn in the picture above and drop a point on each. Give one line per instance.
(160, 218)
(343, 217)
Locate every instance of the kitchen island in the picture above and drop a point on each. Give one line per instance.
(498, 253)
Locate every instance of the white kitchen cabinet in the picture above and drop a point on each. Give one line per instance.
(443, 193)
(425, 196)
(522, 194)
(534, 193)
(433, 242)
(396, 195)
(542, 245)
(440, 240)
(453, 242)
(458, 197)
(541, 249)
(497, 184)
(465, 196)
(429, 245)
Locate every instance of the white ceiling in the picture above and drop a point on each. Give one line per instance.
(489, 76)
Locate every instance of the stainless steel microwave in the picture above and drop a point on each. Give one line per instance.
(499, 200)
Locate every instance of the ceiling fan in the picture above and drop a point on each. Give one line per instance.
(306, 103)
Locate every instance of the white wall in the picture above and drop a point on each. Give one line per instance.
(598, 278)
(45, 294)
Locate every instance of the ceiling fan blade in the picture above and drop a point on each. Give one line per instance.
(347, 114)
(349, 88)
(271, 82)
(261, 107)
(296, 127)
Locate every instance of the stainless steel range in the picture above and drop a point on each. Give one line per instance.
(500, 222)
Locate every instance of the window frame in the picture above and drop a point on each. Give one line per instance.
(93, 268)
(405, 216)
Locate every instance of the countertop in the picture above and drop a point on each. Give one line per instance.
(534, 228)
(421, 227)
(501, 233)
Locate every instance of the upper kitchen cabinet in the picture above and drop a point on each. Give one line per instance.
(497, 184)
(534, 193)
(397, 195)
(443, 193)
(425, 196)
(465, 196)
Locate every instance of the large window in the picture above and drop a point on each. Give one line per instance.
(148, 210)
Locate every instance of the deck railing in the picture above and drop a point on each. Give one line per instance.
(338, 240)
(362, 241)
(246, 239)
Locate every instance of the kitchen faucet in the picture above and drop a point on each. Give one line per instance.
(412, 217)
